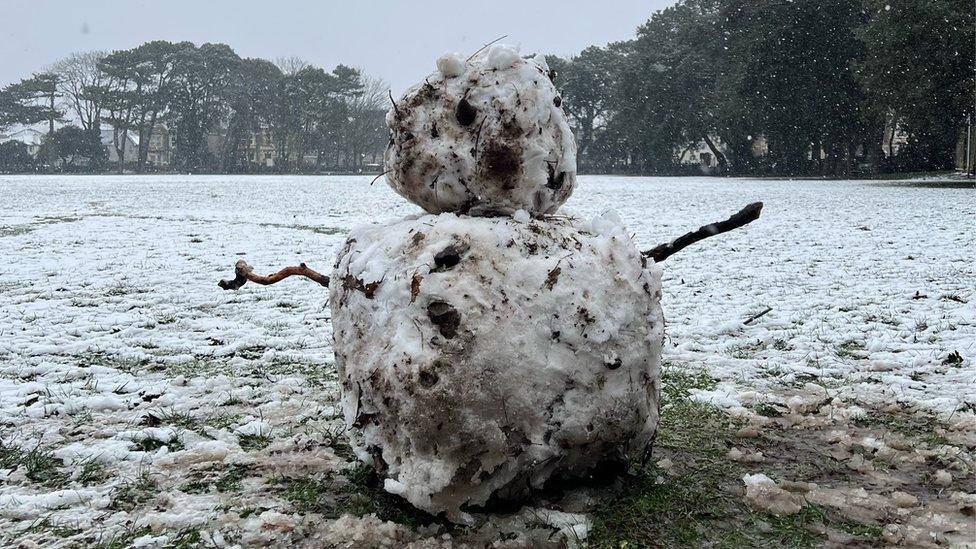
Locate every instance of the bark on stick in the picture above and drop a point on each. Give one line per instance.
(743, 217)
(244, 272)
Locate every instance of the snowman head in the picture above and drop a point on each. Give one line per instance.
(482, 136)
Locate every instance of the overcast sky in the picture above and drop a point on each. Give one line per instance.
(396, 41)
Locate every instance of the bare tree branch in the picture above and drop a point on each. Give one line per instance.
(743, 217)
(243, 272)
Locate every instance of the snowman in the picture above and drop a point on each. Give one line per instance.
(488, 346)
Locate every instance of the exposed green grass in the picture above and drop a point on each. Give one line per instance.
(122, 289)
(310, 228)
(692, 507)
(107, 360)
(250, 443)
(16, 230)
(335, 438)
(122, 540)
(356, 491)
(768, 409)
(231, 480)
(128, 495)
(222, 420)
(699, 501)
(186, 539)
(40, 466)
(91, 472)
(151, 444)
(251, 352)
(60, 531)
(223, 479)
(315, 373)
(184, 420)
(913, 424)
(851, 349)
(677, 381)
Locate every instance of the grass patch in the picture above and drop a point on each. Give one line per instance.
(251, 352)
(186, 539)
(121, 289)
(745, 350)
(698, 501)
(678, 381)
(853, 349)
(223, 479)
(40, 466)
(913, 424)
(866, 532)
(17, 230)
(231, 481)
(222, 420)
(184, 420)
(309, 228)
(128, 495)
(91, 472)
(98, 358)
(768, 409)
(335, 438)
(45, 525)
(122, 540)
(356, 491)
(251, 443)
(692, 507)
(152, 444)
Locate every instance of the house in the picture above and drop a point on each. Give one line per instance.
(698, 154)
(895, 139)
(261, 149)
(28, 136)
(113, 141)
(160, 153)
(701, 155)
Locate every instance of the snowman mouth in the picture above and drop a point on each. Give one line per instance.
(445, 317)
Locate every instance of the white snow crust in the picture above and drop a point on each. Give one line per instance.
(485, 135)
(482, 356)
(108, 295)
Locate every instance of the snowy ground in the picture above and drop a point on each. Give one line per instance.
(141, 404)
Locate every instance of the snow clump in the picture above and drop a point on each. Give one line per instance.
(482, 136)
(483, 356)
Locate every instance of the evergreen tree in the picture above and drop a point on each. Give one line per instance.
(919, 69)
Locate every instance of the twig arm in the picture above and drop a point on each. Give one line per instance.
(743, 217)
(243, 273)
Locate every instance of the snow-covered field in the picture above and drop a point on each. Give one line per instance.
(139, 402)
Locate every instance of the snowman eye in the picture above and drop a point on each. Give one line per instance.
(448, 257)
(465, 113)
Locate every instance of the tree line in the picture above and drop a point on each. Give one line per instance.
(782, 87)
(792, 87)
(219, 112)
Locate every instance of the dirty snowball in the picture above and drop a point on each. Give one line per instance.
(482, 136)
(483, 356)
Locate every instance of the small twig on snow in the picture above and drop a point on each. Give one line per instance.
(243, 272)
(502, 37)
(757, 316)
(743, 217)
